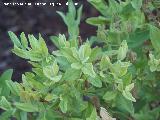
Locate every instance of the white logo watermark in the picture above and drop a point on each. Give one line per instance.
(36, 4)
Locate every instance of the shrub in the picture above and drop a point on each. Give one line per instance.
(114, 74)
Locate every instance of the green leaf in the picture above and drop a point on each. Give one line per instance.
(96, 21)
(137, 38)
(143, 116)
(156, 3)
(52, 115)
(63, 104)
(51, 72)
(128, 96)
(3, 86)
(95, 54)
(68, 53)
(43, 46)
(105, 63)
(102, 34)
(120, 68)
(114, 7)
(153, 63)
(63, 62)
(37, 52)
(14, 87)
(24, 40)
(137, 4)
(93, 115)
(75, 119)
(77, 65)
(14, 39)
(124, 105)
(23, 115)
(79, 13)
(33, 42)
(62, 41)
(84, 52)
(63, 16)
(51, 97)
(127, 79)
(100, 5)
(27, 107)
(30, 81)
(32, 55)
(19, 52)
(55, 40)
(116, 37)
(155, 37)
(71, 8)
(4, 104)
(126, 93)
(127, 9)
(96, 81)
(88, 70)
(123, 49)
(72, 20)
(71, 74)
(42, 116)
(7, 114)
(129, 87)
(109, 95)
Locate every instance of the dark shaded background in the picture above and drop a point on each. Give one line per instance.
(34, 20)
